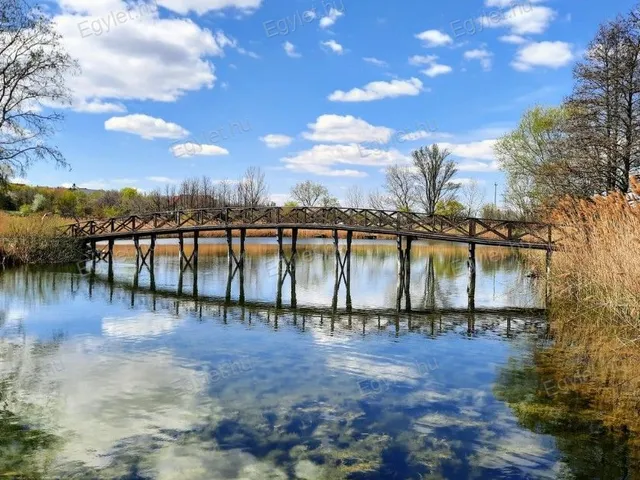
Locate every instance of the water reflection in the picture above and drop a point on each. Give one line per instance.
(113, 376)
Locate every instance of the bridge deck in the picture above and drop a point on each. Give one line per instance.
(480, 231)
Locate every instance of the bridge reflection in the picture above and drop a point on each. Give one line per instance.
(187, 295)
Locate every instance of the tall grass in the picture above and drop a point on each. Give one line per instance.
(34, 240)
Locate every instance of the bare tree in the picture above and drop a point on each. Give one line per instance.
(434, 173)
(33, 68)
(472, 196)
(604, 120)
(378, 200)
(252, 188)
(309, 194)
(355, 197)
(401, 187)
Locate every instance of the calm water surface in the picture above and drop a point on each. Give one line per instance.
(164, 378)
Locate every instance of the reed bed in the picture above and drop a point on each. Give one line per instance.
(595, 314)
(599, 262)
(34, 240)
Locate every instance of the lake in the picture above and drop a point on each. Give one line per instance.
(163, 375)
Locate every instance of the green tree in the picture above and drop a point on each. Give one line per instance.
(450, 208)
(532, 158)
(67, 203)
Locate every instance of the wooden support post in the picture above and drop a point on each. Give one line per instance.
(294, 242)
(181, 245)
(243, 236)
(196, 238)
(110, 260)
(471, 265)
(401, 273)
(230, 246)
(407, 276)
(280, 246)
(348, 275)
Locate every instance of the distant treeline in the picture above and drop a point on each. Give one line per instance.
(250, 190)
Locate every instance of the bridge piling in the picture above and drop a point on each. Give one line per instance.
(471, 266)
(404, 272)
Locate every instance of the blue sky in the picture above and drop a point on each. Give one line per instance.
(331, 90)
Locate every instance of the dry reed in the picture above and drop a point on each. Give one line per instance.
(34, 240)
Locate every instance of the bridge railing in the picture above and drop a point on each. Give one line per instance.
(364, 219)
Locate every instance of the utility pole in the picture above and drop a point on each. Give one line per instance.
(495, 196)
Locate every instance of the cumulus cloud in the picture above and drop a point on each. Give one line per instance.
(514, 39)
(522, 19)
(434, 38)
(375, 61)
(437, 69)
(481, 150)
(201, 7)
(276, 141)
(331, 18)
(290, 50)
(543, 54)
(346, 129)
(483, 55)
(322, 160)
(189, 149)
(379, 90)
(143, 57)
(334, 46)
(146, 127)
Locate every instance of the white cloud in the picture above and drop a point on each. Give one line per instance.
(146, 127)
(280, 198)
(420, 60)
(514, 39)
(379, 90)
(421, 134)
(482, 150)
(334, 46)
(201, 7)
(504, 3)
(543, 54)
(476, 166)
(189, 149)
(162, 180)
(375, 61)
(434, 69)
(321, 160)
(145, 57)
(434, 38)
(481, 54)
(521, 19)
(276, 141)
(290, 49)
(331, 18)
(346, 129)
(437, 69)
(98, 106)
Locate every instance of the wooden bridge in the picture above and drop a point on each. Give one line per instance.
(405, 226)
(506, 233)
